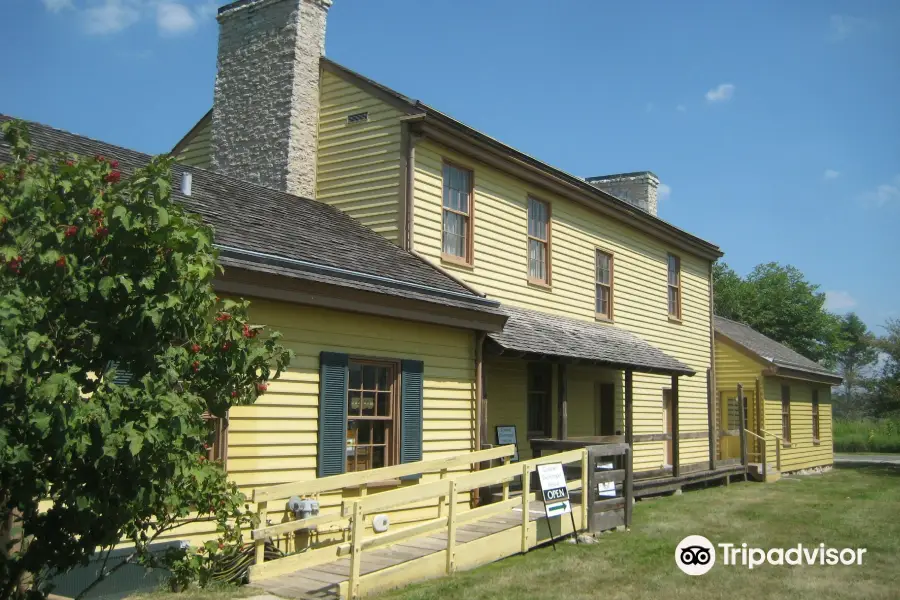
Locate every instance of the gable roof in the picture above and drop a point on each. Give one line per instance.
(591, 195)
(530, 332)
(782, 359)
(270, 231)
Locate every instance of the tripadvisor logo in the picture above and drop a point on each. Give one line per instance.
(696, 555)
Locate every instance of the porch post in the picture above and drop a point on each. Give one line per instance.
(629, 415)
(711, 418)
(741, 416)
(482, 435)
(562, 402)
(675, 430)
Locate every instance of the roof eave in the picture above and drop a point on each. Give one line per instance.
(498, 349)
(796, 373)
(450, 132)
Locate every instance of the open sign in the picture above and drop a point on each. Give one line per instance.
(554, 489)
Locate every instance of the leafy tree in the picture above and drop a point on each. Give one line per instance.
(100, 274)
(886, 388)
(780, 303)
(857, 351)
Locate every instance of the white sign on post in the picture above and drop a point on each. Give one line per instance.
(555, 490)
(606, 489)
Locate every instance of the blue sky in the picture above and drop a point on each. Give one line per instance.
(774, 125)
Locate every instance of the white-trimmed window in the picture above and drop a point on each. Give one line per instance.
(674, 286)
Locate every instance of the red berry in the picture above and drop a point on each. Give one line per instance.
(114, 164)
(70, 163)
(196, 365)
(195, 348)
(61, 261)
(71, 230)
(101, 232)
(113, 177)
(100, 157)
(226, 346)
(234, 394)
(261, 387)
(221, 545)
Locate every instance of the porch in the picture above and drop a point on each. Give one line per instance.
(560, 384)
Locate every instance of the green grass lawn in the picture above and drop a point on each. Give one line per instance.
(857, 508)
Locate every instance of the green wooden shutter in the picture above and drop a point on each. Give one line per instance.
(333, 374)
(411, 384)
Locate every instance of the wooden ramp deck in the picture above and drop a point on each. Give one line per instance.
(424, 557)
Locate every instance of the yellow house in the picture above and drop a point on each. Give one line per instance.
(786, 397)
(609, 336)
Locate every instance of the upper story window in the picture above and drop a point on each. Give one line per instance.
(604, 284)
(674, 286)
(786, 413)
(538, 241)
(457, 214)
(815, 415)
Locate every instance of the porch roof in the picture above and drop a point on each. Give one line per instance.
(538, 334)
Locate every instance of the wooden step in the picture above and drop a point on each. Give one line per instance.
(755, 470)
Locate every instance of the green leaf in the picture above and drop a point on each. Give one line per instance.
(163, 216)
(106, 284)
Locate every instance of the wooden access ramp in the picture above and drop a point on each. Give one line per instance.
(424, 557)
(458, 537)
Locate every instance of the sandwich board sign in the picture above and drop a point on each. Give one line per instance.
(554, 489)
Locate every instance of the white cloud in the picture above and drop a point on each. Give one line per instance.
(883, 194)
(173, 19)
(831, 174)
(56, 6)
(842, 27)
(839, 300)
(681, 108)
(104, 17)
(663, 192)
(721, 93)
(111, 16)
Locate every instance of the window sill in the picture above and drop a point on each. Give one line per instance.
(603, 318)
(539, 283)
(456, 261)
(676, 320)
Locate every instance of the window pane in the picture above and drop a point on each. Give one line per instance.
(378, 458)
(537, 260)
(455, 233)
(353, 402)
(355, 377)
(537, 219)
(602, 300)
(603, 264)
(384, 404)
(379, 429)
(368, 404)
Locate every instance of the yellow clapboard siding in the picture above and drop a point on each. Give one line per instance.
(197, 152)
(803, 453)
(359, 165)
(640, 293)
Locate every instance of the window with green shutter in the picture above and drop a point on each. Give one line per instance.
(370, 413)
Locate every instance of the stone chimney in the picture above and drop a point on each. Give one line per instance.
(638, 189)
(266, 108)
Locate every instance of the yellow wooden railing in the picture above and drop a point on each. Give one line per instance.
(446, 491)
(315, 487)
(358, 509)
(778, 443)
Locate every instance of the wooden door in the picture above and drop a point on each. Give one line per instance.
(604, 409)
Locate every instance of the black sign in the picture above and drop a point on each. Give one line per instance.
(556, 494)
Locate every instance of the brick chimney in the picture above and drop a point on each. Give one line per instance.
(638, 189)
(266, 106)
